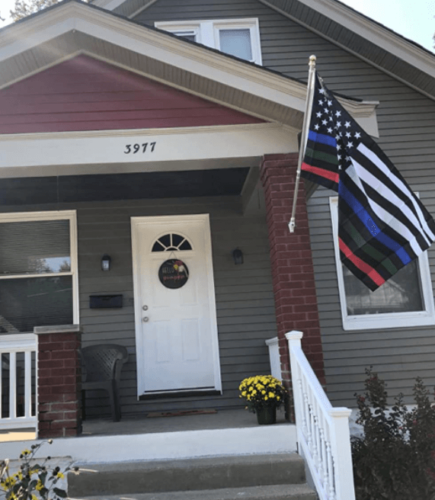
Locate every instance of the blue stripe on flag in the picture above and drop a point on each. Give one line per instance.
(365, 218)
(323, 139)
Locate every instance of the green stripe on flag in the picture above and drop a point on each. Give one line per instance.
(320, 155)
(369, 250)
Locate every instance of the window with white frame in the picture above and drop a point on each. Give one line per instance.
(38, 270)
(236, 37)
(405, 300)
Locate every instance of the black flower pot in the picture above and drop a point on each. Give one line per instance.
(266, 415)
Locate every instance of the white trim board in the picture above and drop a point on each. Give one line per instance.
(52, 153)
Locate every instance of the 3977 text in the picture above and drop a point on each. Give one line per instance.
(146, 147)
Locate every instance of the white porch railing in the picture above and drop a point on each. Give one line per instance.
(322, 431)
(17, 391)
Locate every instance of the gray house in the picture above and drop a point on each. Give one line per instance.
(148, 151)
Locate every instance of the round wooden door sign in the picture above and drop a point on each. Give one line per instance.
(173, 274)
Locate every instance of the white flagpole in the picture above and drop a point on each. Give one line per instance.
(304, 138)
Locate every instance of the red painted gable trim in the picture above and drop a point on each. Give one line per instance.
(86, 94)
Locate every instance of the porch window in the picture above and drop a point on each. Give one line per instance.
(38, 270)
(236, 37)
(405, 300)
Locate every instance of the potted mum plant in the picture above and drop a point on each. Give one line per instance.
(263, 395)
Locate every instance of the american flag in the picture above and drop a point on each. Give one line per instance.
(383, 226)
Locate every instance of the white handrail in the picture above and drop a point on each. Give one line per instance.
(322, 431)
(11, 345)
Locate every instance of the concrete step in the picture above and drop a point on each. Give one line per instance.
(188, 475)
(273, 492)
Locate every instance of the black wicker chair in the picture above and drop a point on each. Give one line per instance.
(102, 365)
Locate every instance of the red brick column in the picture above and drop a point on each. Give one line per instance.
(59, 381)
(292, 262)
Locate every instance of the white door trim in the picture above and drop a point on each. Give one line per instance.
(136, 222)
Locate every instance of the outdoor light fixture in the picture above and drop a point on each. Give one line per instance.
(105, 262)
(238, 256)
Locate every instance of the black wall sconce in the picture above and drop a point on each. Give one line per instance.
(105, 262)
(238, 256)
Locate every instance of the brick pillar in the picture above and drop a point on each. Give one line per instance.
(59, 381)
(292, 263)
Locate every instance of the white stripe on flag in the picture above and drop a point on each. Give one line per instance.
(383, 214)
(419, 223)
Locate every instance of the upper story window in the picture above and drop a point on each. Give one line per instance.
(405, 300)
(236, 37)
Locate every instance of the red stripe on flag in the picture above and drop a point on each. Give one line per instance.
(321, 172)
(360, 264)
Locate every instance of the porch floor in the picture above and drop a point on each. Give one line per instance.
(223, 419)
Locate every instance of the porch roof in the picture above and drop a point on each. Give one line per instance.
(72, 27)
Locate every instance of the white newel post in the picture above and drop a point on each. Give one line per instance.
(294, 341)
(342, 453)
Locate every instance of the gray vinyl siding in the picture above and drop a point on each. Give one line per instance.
(407, 132)
(244, 295)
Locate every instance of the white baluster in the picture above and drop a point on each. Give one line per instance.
(303, 409)
(331, 479)
(13, 385)
(323, 471)
(28, 384)
(1, 383)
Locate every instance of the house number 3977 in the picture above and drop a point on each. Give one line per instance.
(140, 148)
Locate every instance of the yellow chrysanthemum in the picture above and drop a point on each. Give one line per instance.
(60, 475)
(271, 395)
(39, 485)
(8, 482)
(25, 453)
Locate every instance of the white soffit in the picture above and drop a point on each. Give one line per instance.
(272, 93)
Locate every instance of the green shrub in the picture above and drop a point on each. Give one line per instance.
(395, 459)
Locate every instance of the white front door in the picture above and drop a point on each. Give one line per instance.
(175, 310)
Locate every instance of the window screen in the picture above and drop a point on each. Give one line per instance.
(36, 247)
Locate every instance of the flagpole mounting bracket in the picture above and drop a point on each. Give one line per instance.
(292, 225)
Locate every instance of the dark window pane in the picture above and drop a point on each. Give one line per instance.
(185, 246)
(176, 239)
(158, 247)
(35, 247)
(166, 240)
(188, 35)
(29, 302)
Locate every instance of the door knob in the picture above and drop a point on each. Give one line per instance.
(145, 308)
(146, 319)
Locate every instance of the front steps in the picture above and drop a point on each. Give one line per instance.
(253, 477)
